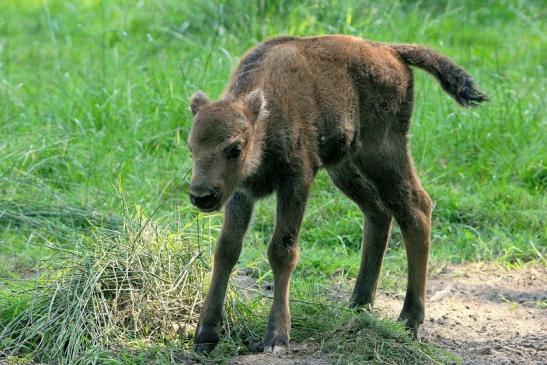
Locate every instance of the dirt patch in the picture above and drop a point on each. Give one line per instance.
(291, 359)
(483, 312)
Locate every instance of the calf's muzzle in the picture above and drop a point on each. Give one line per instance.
(204, 197)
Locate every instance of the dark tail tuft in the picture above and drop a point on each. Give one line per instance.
(454, 79)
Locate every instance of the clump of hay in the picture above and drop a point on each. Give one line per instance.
(142, 283)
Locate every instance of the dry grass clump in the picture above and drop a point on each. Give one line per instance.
(143, 283)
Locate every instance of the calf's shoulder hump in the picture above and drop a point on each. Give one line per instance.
(245, 74)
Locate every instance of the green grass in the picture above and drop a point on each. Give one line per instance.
(94, 120)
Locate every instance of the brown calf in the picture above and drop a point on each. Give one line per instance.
(292, 106)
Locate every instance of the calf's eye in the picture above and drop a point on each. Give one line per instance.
(234, 151)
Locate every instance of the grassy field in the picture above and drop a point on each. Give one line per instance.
(103, 260)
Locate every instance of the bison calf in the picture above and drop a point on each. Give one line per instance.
(292, 106)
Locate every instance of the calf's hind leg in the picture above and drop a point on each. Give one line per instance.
(416, 228)
(402, 193)
(376, 229)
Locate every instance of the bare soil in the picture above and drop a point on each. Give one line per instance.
(485, 313)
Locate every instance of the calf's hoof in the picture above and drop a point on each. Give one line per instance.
(276, 342)
(412, 322)
(206, 338)
(366, 305)
(361, 300)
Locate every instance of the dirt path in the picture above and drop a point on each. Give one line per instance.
(486, 314)
(483, 312)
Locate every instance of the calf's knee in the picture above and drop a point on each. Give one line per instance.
(283, 252)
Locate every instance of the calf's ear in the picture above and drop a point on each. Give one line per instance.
(255, 104)
(198, 100)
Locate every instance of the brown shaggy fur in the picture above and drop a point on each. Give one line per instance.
(292, 106)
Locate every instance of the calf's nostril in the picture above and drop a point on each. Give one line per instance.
(193, 199)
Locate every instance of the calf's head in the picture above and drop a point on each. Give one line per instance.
(225, 142)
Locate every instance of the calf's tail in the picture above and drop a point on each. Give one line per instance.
(454, 79)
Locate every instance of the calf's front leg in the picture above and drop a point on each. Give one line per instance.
(236, 220)
(283, 255)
